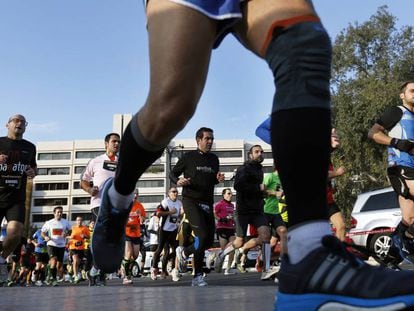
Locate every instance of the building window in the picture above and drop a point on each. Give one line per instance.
(267, 169)
(76, 185)
(53, 171)
(229, 153)
(85, 216)
(154, 169)
(151, 198)
(150, 183)
(51, 186)
(88, 154)
(50, 202)
(228, 183)
(44, 217)
(228, 168)
(81, 200)
(79, 169)
(54, 156)
(267, 155)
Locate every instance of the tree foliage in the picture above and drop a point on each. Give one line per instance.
(369, 63)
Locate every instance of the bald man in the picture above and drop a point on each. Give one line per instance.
(17, 165)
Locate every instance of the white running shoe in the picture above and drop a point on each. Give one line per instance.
(266, 275)
(154, 272)
(229, 272)
(199, 281)
(127, 281)
(175, 276)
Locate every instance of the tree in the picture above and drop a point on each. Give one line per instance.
(369, 62)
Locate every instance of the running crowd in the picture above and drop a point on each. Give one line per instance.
(59, 252)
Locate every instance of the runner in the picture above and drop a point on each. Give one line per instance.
(200, 173)
(17, 165)
(54, 232)
(395, 129)
(133, 240)
(169, 210)
(289, 36)
(80, 233)
(225, 226)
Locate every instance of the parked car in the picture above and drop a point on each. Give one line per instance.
(375, 215)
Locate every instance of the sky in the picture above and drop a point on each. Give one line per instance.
(69, 65)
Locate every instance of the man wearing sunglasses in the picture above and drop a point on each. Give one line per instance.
(17, 165)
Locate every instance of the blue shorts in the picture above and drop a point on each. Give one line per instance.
(227, 12)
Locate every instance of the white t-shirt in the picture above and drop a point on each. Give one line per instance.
(98, 170)
(171, 221)
(56, 230)
(153, 225)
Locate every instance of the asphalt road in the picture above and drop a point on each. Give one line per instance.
(233, 292)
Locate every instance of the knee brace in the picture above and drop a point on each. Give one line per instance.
(299, 54)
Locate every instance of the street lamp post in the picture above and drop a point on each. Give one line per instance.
(169, 152)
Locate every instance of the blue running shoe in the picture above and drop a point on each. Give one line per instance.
(404, 246)
(108, 239)
(331, 278)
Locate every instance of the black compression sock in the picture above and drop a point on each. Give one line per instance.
(301, 148)
(132, 163)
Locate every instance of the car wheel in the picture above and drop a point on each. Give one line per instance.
(380, 244)
(135, 270)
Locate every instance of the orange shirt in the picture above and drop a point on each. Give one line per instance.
(133, 226)
(76, 240)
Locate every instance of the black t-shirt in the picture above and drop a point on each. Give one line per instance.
(21, 154)
(247, 182)
(202, 169)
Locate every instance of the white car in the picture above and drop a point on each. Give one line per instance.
(375, 215)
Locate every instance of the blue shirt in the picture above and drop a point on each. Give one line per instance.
(41, 241)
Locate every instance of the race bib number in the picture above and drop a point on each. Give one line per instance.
(11, 182)
(110, 166)
(57, 231)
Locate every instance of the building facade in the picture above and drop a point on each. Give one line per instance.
(60, 165)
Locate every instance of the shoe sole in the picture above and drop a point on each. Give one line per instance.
(310, 302)
(107, 256)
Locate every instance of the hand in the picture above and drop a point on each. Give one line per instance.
(94, 190)
(173, 211)
(182, 182)
(340, 171)
(3, 158)
(262, 188)
(220, 177)
(30, 172)
(404, 145)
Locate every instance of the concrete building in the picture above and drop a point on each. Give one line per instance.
(60, 166)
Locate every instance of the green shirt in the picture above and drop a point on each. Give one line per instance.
(271, 182)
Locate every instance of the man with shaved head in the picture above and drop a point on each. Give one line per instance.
(17, 164)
